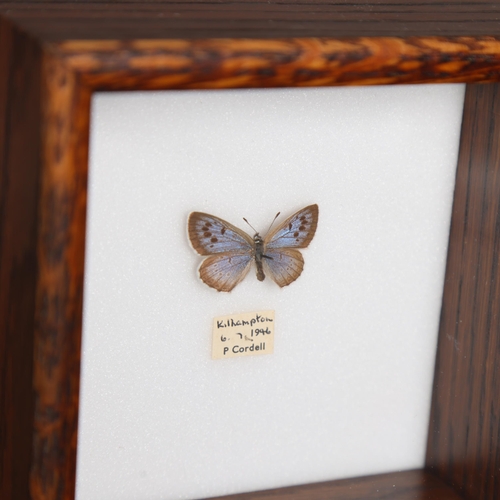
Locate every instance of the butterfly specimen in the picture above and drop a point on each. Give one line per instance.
(231, 251)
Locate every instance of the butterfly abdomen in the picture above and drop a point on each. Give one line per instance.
(259, 252)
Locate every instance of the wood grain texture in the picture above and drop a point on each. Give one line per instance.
(190, 57)
(61, 246)
(20, 119)
(406, 485)
(195, 19)
(464, 434)
(185, 64)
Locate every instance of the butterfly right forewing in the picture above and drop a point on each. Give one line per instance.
(282, 262)
(295, 232)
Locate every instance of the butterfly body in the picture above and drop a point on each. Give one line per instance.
(259, 255)
(230, 251)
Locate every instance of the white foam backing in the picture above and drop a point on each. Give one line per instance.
(347, 390)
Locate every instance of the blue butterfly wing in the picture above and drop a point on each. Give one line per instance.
(296, 232)
(230, 250)
(210, 235)
(284, 265)
(224, 271)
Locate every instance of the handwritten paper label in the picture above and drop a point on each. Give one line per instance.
(246, 334)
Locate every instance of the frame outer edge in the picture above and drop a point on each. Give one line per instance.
(294, 62)
(20, 119)
(59, 296)
(67, 80)
(463, 446)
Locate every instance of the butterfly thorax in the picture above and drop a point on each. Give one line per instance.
(259, 254)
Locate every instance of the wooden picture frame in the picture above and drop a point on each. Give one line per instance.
(54, 55)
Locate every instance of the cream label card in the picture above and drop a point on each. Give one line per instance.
(246, 334)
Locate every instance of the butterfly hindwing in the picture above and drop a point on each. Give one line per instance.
(210, 235)
(284, 266)
(224, 271)
(296, 232)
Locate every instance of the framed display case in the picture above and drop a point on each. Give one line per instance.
(55, 56)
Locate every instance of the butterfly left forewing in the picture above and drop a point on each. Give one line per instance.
(296, 232)
(210, 235)
(283, 266)
(229, 250)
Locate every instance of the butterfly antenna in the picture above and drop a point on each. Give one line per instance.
(275, 217)
(250, 225)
